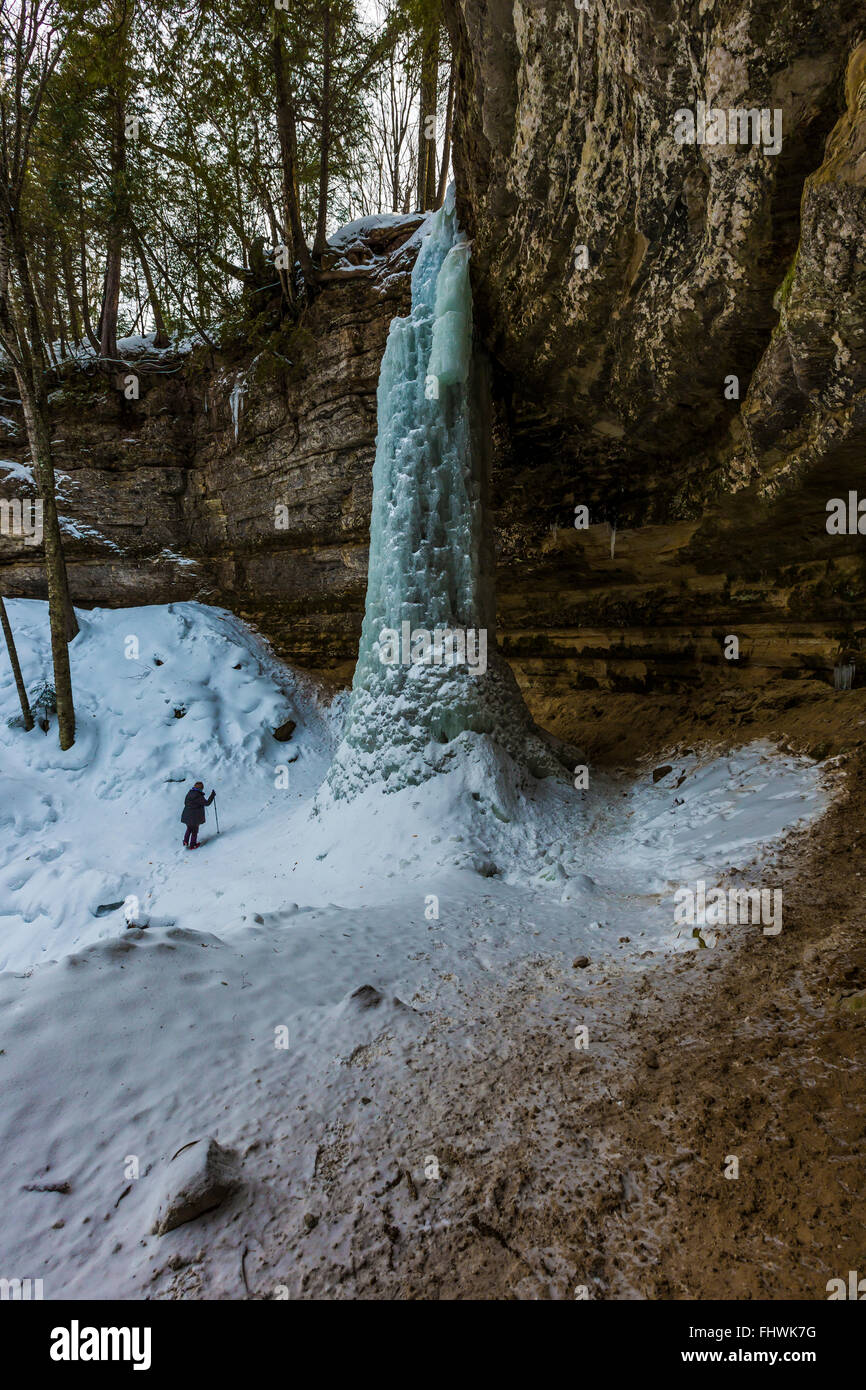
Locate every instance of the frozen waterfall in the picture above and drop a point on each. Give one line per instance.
(427, 668)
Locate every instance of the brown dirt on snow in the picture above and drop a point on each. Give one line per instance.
(605, 1168)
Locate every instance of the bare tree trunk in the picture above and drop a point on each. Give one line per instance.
(178, 293)
(285, 274)
(446, 143)
(430, 192)
(114, 252)
(427, 119)
(44, 291)
(20, 334)
(396, 138)
(85, 293)
(288, 136)
(61, 614)
(320, 241)
(30, 380)
(16, 668)
(240, 206)
(61, 325)
(161, 338)
(423, 154)
(69, 291)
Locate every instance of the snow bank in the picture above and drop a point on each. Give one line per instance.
(292, 968)
(358, 232)
(168, 695)
(164, 696)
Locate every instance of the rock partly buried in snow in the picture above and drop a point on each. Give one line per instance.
(197, 1179)
(133, 914)
(104, 908)
(367, 997)
(285, 731)
(660, 772)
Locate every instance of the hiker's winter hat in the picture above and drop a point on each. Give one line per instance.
(200, 784)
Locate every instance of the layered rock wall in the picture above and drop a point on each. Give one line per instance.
(679, 328)
(678, 340)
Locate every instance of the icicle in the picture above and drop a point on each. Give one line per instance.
(239, 390)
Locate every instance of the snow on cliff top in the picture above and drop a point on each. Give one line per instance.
(363, 228)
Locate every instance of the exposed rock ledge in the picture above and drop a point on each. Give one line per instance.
(233, 478)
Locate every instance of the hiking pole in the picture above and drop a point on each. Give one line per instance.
(216, 815)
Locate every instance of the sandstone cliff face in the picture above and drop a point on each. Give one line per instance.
(702, 262)
(567, 139)
(281, 502)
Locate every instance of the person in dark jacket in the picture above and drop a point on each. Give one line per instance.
(193, 813)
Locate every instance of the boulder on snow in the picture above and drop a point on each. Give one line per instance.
(285, 731)
(198, 1178)
(366, 997)
(660, 772)
(103, 909)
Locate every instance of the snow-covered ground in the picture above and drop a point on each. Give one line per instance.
(230, 1009)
